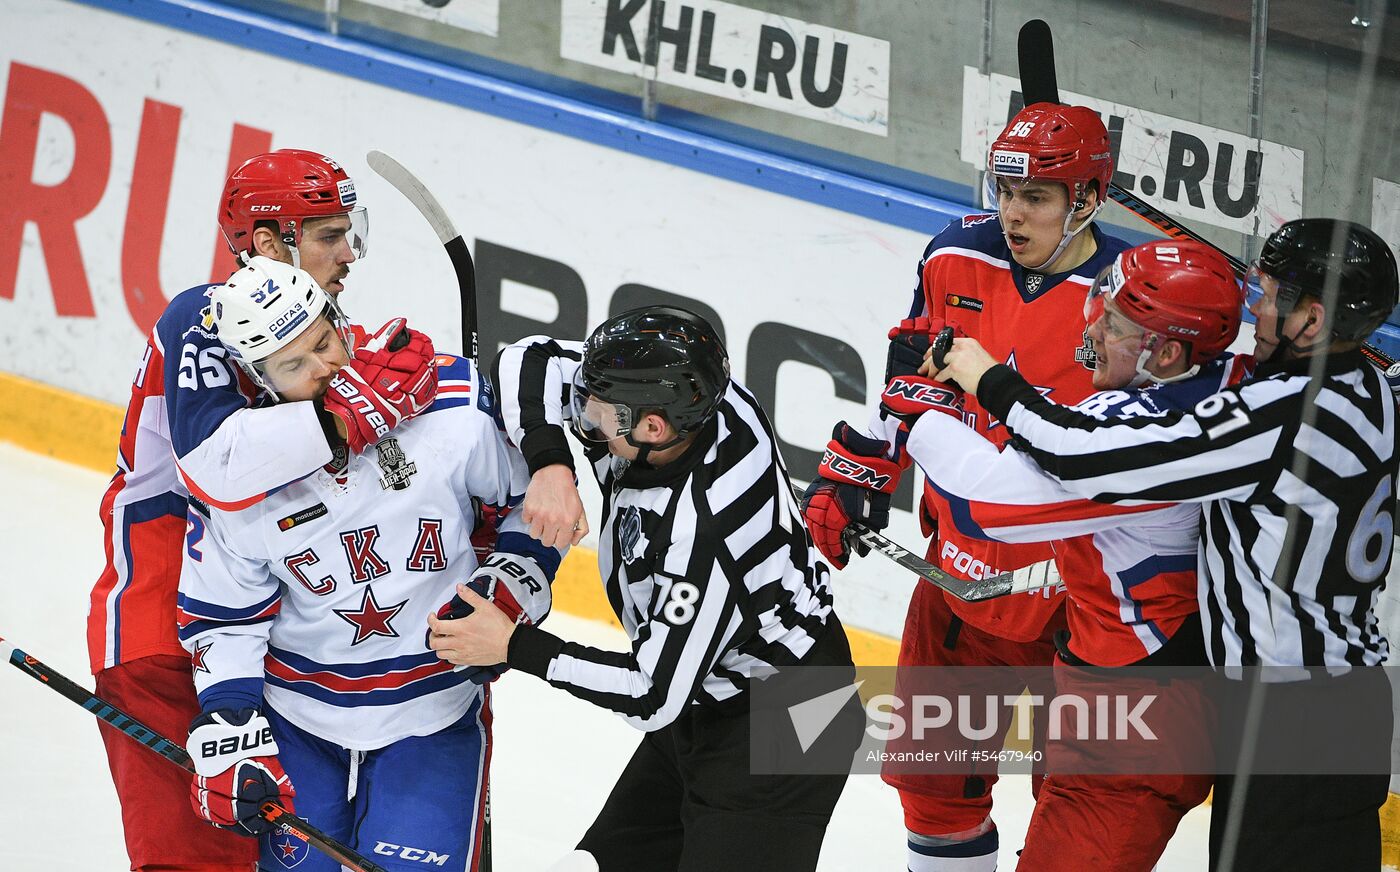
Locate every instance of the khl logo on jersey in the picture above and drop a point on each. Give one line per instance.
(396, 466)
(1033, 282)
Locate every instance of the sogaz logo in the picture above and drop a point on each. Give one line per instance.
(288, 320)
(1010, 163)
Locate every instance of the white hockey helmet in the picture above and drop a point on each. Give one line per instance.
(263, 307)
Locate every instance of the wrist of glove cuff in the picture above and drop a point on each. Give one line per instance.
(237, 771)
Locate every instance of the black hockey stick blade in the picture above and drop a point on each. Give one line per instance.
(1035, 54)
(418, 194)
(133, 729)
(968, 591)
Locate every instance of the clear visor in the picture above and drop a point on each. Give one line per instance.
(356, 235)
(594, 419)
(1105, 287)
(1253, 286)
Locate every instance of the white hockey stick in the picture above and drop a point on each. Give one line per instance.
(417, 193)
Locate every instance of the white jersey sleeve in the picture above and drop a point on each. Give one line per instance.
(1003, 495)
(225, 608)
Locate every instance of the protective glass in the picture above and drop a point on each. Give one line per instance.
(594, 419)
(356, 235)
(1105, 287)
(1253, 288)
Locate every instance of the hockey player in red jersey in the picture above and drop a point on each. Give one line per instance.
(193, 425)
(1016, 279)
(1159, 321)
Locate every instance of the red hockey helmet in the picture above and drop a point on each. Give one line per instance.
(287, 186)
(1066, 144)
(1179, 290)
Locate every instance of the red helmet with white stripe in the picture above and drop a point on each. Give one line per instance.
(288, 186)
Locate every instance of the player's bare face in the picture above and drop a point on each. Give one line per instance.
(303, 369)
(1265, 311)
(1033, 219)
(326, 252)
(1118, 344)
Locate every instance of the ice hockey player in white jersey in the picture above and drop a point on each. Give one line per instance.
(305, 612)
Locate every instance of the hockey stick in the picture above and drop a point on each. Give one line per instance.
(1035, 55)
(968, 591)
(418, 194)
(408, 184)
(271, 812)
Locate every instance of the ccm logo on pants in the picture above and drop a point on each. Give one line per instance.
(389, 849)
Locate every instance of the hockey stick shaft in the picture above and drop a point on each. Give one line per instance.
(417, 193)
(119, 720)
(966, 590)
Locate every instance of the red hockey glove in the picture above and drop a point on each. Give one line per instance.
(906, 397)
(236, 770)
(516, 585)
(391, 378)
(855, 480)
(399, 363)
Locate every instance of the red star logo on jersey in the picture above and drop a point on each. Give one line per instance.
(290, 852)
(370, 619)
(197, 658)
(992, 421)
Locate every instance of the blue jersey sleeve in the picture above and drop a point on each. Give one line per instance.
(231, 448)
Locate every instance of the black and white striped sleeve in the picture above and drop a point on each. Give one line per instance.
(690, 620)
(532, 379)
(1222, 449)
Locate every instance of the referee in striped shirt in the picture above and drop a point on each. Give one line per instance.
(1295, 469)
(710, 571)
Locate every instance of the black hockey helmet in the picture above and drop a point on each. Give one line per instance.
(655, 358)
(1302, 254)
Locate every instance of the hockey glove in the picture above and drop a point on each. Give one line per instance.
(393, 377)
(906, 397)
(236, 770)
(400, 364)
(910, 341)
(514, 584)
(855, 480)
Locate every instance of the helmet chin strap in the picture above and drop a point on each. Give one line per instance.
(1143, 376)
(644, 449)
(1291, 345)
(1067, 235)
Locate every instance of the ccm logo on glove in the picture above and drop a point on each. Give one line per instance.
(855, 472)
(922, 392)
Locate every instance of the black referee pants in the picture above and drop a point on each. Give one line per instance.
(688, 800)
(1311, 820)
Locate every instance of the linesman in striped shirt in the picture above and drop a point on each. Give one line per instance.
(712, 574)
(1295, 469)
